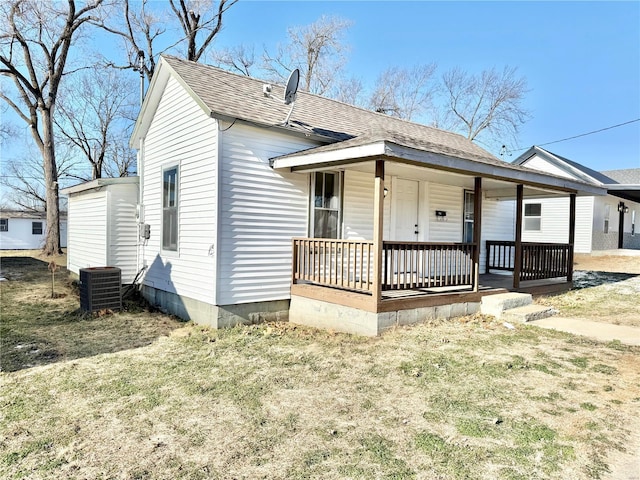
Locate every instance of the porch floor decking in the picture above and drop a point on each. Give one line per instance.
(488, 282)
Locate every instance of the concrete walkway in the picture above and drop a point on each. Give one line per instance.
(604, 332)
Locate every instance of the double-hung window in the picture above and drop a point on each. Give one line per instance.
(532, 217)
(170, 209)
(4, 224)
(326, 205)
(36, 228)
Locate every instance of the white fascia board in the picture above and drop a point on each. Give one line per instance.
(348, 154)
(152, 99)
(100, 182)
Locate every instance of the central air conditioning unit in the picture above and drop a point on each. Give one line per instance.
(100, 289)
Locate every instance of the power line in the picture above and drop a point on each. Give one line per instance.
(577, 136)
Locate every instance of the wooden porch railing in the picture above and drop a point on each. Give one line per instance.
(348, 264)
(334, 263)
(539, 260)
(408, 265)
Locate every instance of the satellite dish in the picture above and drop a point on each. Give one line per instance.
(292, 87)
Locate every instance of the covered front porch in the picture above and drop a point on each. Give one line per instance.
(440, 266)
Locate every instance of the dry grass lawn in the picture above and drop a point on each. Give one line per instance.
(465, 399)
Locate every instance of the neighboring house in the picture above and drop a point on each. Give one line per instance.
(102, 225)
(602, 222)
(22, 230)
(323, 213)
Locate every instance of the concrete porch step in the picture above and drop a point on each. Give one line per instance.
(528, 313)
(497, 304)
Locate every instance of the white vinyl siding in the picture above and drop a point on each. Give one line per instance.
(498, 223)
(358, 206)
(182, 134)
(19, 234)
(554, 222)
(87, 231)
(261, 210)
(448, 199)
(102, 229)
(542, 165)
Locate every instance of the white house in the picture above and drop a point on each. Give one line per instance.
(22, 230)
(602, 222)
(102, 225)
(322, 212)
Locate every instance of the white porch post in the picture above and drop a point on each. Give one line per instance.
(378, 213)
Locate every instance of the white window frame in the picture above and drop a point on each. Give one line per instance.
(526, 226)
(314, 208)
(4, 224)
(633, 223)
(607, 217)
(33, 225)
(166, 209)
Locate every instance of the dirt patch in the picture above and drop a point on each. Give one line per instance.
(607, 263)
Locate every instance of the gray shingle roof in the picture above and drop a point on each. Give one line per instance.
(630, 176)
(236, 96)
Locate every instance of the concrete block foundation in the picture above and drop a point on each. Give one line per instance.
(330, 316)
(216, 316)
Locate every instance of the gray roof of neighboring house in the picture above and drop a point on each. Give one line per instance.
(236, 96)
(28, 214)
(627, 176)
(583, 172)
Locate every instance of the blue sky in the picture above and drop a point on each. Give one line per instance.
(581, 59)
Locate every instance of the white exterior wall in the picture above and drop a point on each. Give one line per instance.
(449, 199)
(20, 236)
(498, 223)
(357, 213)
(87, 228)
(103, 231)
(261, 210)
(538, 163)
(554, 223)
(122, 230)
(181, 134)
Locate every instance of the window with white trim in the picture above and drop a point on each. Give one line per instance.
(326, 205)
(633, 223)
(36, 228)
(532, 217)
(170, 209)
(469, 208)
(4, 224)
(607, 214)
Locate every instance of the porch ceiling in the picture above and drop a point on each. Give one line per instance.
(499, 178)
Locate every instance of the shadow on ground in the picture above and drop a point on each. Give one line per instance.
(587, 279)
(38, 328)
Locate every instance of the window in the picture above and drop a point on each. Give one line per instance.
(170, 209)
(633, 223)
(467, 230)
(326, 205)
(532, 217)
(36, 228)
(4, 224)
(607, 214)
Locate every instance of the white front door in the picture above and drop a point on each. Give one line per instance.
(406, 210)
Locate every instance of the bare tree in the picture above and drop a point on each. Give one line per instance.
(348, 90)
(142, 28)
(404, 92)
(35, 42)
(93, 116)
(318, 50)
(198, 16)
(238, 59)
(489, 103)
